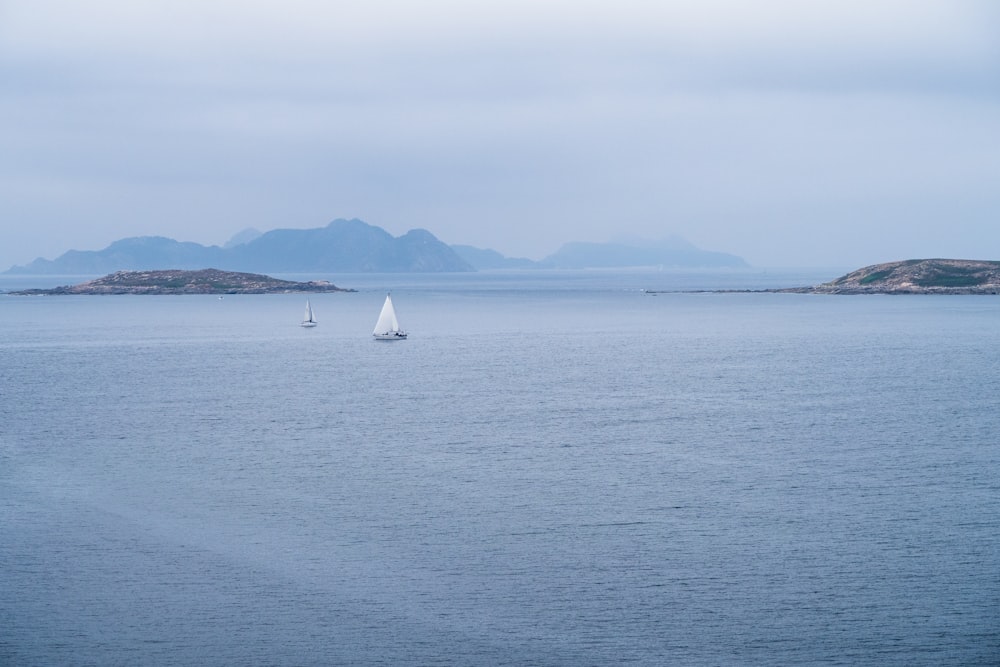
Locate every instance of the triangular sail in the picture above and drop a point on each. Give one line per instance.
(309, 318)
(386, 319)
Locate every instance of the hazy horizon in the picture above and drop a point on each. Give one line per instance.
(829, 134)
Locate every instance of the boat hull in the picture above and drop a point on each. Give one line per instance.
(390, 336)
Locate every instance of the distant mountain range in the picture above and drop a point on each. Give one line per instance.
(353, 246)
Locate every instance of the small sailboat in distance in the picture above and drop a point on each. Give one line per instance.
(309, 319)
(387, 327)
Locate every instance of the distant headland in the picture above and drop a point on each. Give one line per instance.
(204, 281)
(915, 276)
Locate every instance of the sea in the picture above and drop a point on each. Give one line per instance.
(555, 468)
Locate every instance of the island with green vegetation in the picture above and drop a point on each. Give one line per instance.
(204, 281)
(915, 276)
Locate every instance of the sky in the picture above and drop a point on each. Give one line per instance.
(794, 134)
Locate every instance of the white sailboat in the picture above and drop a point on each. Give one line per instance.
(309, 319)
(387, 327)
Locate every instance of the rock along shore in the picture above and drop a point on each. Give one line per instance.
(911, 276)
(204, 281)
(915, 276)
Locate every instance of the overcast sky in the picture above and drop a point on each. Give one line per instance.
(793, 133)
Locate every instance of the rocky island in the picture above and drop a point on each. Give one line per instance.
(204, 281)
(914, 276)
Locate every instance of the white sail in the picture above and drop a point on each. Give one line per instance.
(309, 319)
(387, 327)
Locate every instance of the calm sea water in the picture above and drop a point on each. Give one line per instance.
(555, 469)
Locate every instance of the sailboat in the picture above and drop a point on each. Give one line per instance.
(387, 327)
(309, 319)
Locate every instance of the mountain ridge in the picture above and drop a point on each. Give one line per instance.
(341, 246)
(354, 246)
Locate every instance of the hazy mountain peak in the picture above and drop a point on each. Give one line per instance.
(673, 252)
(350, 223)
(245, 236)
(672, 241)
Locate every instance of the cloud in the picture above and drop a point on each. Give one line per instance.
(518, 123)
(560, 35)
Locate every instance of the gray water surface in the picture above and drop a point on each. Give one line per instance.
(553, 472)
